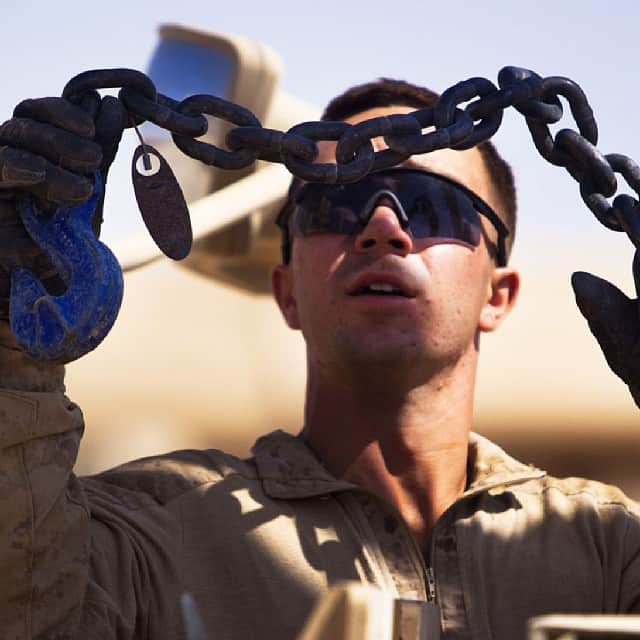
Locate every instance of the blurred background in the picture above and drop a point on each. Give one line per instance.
(199, 359)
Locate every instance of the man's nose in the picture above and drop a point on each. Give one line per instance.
(383, 232)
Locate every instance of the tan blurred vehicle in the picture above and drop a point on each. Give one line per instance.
(199, 356)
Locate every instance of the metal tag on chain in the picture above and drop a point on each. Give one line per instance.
(161, 202)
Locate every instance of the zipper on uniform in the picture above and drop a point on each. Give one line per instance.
(429, 573)
(431, 585)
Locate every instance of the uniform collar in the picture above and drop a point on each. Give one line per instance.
(491, 468)
(288, 469)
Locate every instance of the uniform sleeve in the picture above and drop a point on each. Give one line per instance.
(630, 582)
(44, 541)
(76, 559)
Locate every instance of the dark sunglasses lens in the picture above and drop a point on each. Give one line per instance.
(332, 208)
(437, 209)
(322, 209)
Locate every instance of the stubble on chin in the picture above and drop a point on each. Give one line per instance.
(382, 354)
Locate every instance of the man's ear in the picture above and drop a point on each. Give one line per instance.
(282, 287)
(501, 296)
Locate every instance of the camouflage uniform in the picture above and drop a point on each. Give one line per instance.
(257, 541)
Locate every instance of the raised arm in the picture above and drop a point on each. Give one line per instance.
(51, 151)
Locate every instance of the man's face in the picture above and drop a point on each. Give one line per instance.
(448, 288)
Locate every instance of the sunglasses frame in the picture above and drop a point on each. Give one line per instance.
(478, 203)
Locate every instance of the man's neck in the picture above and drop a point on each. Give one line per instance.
(407, 445)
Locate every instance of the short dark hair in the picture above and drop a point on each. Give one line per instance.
(386, 92)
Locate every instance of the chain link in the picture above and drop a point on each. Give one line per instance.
(447, 125)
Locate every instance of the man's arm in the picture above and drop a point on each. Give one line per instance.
(79, 557)
(44, 540)
(630, 580)
(70, 565)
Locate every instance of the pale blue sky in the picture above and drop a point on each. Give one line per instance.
(329, 45)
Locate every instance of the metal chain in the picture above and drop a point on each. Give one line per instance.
(449, 126)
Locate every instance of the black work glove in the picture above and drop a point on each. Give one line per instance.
(51, 149)
(614, 320)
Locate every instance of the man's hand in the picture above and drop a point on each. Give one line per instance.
(614, 320)
(51, 149)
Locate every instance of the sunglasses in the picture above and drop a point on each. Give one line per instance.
(428, 204)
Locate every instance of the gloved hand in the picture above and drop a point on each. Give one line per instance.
(614, 320)
(51, 149)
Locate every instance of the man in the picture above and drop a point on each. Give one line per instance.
(392, 281)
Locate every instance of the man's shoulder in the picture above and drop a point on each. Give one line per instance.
(496, 469)
(584, 510)
(600, 496)
(163, 478)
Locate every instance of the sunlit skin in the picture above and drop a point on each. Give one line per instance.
(391, 379)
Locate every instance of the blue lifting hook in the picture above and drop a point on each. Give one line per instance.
(63, 328)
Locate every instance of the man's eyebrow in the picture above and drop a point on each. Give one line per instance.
(411, 163)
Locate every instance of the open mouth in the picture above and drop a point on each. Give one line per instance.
(380, 289)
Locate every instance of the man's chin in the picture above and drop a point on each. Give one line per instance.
(382, 352)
